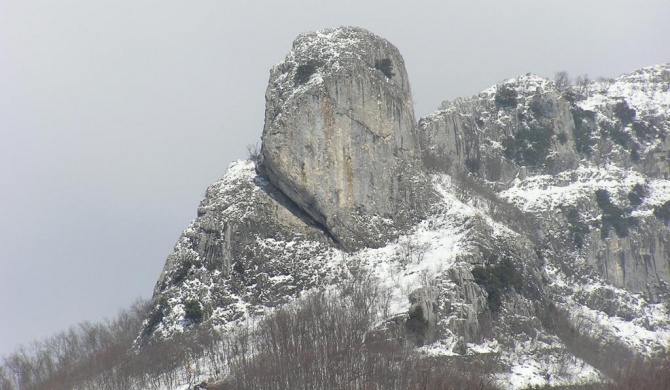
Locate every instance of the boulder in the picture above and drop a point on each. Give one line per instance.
(340, 138)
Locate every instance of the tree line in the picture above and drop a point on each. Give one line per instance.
(336, 338)
(329, 339)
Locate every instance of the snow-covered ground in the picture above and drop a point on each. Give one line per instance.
(445, 240)
(549, 192)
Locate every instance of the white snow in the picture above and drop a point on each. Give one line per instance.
(646, 89)
(547, 192)
(441, 241)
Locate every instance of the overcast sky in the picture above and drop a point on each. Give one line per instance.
(115, 115)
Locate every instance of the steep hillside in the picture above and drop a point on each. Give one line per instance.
(585, 160)
(526, 224)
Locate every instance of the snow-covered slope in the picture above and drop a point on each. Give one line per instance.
(562, 194)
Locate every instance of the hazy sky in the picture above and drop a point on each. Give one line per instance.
(115, 115)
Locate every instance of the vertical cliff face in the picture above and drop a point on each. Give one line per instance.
(519, 127)
(340, 136)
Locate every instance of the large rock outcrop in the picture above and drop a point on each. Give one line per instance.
(550, 151)
(340, 136)
(530, 131)
(249, 248)
(546, 244)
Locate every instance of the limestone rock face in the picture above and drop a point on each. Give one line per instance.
(478, 136)
(639, 262)
(340, 136)
(525, 137)
(548, 227)
(249, 248)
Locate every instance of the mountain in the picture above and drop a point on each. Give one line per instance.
(526, 223)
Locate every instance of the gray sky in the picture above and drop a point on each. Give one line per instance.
(115, 115)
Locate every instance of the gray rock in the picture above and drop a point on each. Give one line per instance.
(248, 248)
(474, 135)
(341, 154)
(469, 134)
(639, 263)
(340, 136)
(466, 302)
(426, 297)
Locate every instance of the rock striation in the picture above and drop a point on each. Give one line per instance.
(340, 136)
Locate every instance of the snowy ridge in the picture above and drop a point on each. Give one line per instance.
(647, 90)
(608, 288)
(526, 85)
(332, 44)
(570, 188)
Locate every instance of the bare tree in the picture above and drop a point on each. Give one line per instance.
(410, 251)
(254, 152)
(328, 340)
(582, 84)
(562, 81)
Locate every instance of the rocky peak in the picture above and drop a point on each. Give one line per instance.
(547, 235)
(340, 136)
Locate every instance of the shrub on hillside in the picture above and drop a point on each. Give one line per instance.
(624, 113)
(496, 280)
(635, 153)
(184, 264)
(193, 312)
(472, 164)
(254, 152)
(155, 317)
(304, 73)
(616, 133)
(578, 229)
(417, 325)
(542, 107)
(613, 216)
(584, 121)
(529, 147)
(506, 96)
(385, 66)
(662, 212)
(562, 81)
(637, 194)
(643, 130)
(649, 128)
